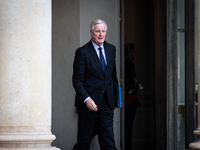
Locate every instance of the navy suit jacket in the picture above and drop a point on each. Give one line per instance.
(89, 79)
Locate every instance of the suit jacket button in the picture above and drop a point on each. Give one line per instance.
(102, 91)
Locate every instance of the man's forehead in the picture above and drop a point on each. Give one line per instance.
(100, 25)
(99, 29)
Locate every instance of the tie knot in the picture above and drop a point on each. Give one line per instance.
(100, 48)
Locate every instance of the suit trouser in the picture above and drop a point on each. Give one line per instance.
(91, 123)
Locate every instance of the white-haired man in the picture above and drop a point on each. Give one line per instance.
(96, 85)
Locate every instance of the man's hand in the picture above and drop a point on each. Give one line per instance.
(91, 105)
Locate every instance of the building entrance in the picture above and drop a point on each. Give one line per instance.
(139, 32)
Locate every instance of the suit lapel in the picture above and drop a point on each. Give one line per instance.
(107, 52)
(95, 56)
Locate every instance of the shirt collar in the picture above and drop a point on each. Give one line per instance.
(96, 46)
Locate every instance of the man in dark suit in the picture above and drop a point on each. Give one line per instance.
(96, 85)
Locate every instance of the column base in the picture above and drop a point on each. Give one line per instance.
(196, 144)
(52, 148)
(27, 141)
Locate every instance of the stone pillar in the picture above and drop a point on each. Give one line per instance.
(25, 74)
(196, 144)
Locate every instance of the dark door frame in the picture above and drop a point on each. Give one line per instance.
(171, 68)
(190, 74)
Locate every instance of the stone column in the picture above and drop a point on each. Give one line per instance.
(25, 74)
(196, 144)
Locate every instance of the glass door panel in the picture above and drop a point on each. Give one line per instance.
(181, 76)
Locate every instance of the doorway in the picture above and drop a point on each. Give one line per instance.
(139, 30)
(163, 35)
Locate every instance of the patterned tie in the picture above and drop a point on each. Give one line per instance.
(102, 59)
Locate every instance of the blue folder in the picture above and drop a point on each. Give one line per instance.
(119, 96)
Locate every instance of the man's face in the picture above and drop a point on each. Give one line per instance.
(98, 34)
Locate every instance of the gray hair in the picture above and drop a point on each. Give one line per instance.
(97, 21)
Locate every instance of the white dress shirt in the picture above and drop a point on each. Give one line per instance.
(97, 50)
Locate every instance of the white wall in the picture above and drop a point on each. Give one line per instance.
(65, 39)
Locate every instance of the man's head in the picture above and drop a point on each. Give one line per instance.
(98, 29)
